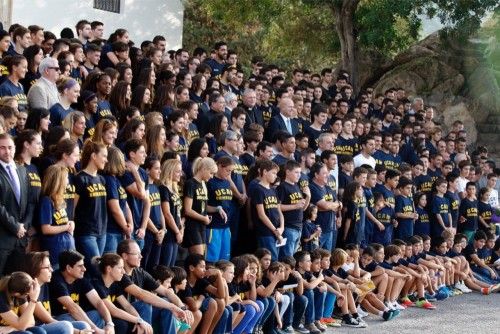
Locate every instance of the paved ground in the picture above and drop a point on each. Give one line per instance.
(471, 313)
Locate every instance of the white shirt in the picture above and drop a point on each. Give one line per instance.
(462, 182)
(362, 160)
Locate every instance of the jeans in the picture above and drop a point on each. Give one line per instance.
(90, 246)
(145, 310)
(140, 242)
(249, 319)
(288, 314)
(269, 243)
(299, 308)
(221, 326)
(329, 304)
(58, 327)
(112, 241)
(169, 251)
(269, 305)
(165, 320)
(93, 315)
(150, 252)
(284, 304)
(319, 303)
(309, 315)
(328, 240)
(292, 236)
(31, 330)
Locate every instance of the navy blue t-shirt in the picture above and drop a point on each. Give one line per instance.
(384, 216)
(154, 198)
(103, 110)
(423, 183)
(220, 194)
(325, 219)
(468, 210)
(485, 211)
(135, 204)
(346, 146)
(454, 201)
(405, 225)
(387, 193)
(91, 214)
(175, 206)
(58, 114)
(115, 191)
(8, 88)
(291, 194)
(440, 206)
(422, 224)
(268, 198)
(313, 135)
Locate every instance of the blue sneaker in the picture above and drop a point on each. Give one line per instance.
(441, 295)
(429, 297)
(447, 291)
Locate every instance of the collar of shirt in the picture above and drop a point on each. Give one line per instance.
(11, 164)
(284, 117)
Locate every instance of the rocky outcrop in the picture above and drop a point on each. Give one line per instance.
(457, 79)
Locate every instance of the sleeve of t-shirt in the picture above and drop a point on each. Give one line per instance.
(58, 288)
(45, 211)
(211, 195)
(316, 196)
(257, 196)
(86, 286)
(127, 179)
(164, 194)
(4, 304)
(112, 189)
(189, 189)
(281, 193)
(102, 291)
(435, 206)
(149, 282)
(125, 282)
(399, 204)
(79, 186)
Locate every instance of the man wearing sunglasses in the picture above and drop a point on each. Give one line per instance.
(43, 94)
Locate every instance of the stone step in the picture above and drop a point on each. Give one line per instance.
(493, 119)
(488, 127)
(489, 138)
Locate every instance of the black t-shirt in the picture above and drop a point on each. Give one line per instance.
(267, 197)
(199, 289)
(104, 292)
(468, 210)
(468, 251)
(174, 203)
(135, 204)
(78, 290)
(139, 277)
(290, 281)
(198, 192)
(91, 214)
(370, 267)
(291, 194)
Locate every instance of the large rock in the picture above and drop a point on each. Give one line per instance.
(452, 76)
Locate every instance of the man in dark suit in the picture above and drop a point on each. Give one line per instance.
(13, 204)
(249, 103)
(283, 121)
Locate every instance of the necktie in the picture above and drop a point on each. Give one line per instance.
(288, 125)
(14, 182)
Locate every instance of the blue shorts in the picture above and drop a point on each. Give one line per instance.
(218, 244)
(204, 304)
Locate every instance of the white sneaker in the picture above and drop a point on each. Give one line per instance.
(389, 305)
(361, 313)
(462, 287)
(398, 306)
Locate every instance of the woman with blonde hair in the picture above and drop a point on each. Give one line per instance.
(74, 123)
(57, 229)
(106, 132)
(155, 141)
(69, 91)
(120, 221)
(171, 206)
(195, 205)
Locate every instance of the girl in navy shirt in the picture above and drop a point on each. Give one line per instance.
(17, 67)
(156, 227)
(266, 212)
(422, 224)
(91, 215)
(484, 210)
(351, 230)
(171, 206)
(120, 222)
(57, 229)
(195, 205)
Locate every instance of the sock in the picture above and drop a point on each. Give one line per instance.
(355, 315)
(346, 317)
(421, 299)
(381, 313)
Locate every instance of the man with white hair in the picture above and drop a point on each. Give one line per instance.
(44, 94)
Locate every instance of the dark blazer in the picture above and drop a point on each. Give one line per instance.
(12, 213)
(254, 115)
(278, 124)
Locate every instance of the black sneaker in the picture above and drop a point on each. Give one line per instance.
(351, 322)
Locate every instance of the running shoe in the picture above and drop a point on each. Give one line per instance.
(425, 304)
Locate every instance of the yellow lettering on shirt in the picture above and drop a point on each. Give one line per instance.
(96, 190)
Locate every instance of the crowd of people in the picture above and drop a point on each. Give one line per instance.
(145, 190)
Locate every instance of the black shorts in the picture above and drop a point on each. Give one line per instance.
(194, 234)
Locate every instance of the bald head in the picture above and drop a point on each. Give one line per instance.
(286, 106)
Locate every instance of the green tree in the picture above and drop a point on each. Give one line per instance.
(308, 32)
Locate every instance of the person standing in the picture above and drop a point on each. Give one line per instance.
(44, 94)
(13, 205)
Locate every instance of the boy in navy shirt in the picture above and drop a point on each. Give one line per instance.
(405, 210)
(293, 202)
(135, 182)
(440, 209)
(453, 199)
(468, 212)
